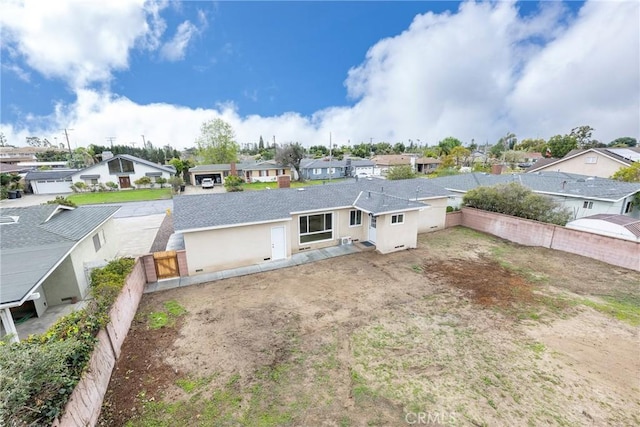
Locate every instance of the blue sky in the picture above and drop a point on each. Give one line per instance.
(387, 71)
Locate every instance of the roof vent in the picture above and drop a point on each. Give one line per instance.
(301, 189)
(8, 219)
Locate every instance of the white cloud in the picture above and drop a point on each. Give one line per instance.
(174, 50)
(79, 41)
(474, 74)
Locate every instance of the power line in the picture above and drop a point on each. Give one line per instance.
(110, 139)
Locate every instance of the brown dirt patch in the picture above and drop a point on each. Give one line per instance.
(367, 339)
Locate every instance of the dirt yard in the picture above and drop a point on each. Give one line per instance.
(465, 330)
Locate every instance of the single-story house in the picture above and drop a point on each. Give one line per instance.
(582, 195)
(384, 162)
(266, 171)
(50, 181)
(330, 169)
(123, 169)
(228, 230)
(600, 162)
(619, 226)
(46, 254)
(427, 164)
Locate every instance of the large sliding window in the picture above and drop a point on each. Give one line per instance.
(316, 227)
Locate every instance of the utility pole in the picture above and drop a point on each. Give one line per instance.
(144, 142)
(330, 155)
(66, 135)
(110, 139)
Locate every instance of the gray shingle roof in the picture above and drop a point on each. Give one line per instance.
(32, 246)
(50, 174)
(379, 203)
(554, 183)
(227, 209)
(164, 168)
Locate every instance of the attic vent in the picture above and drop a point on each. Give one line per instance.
(6, 219)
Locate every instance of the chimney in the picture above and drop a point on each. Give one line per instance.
(233, 171)
(284, 181)
(496, 169)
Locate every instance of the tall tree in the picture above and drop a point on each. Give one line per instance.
(535, 145)
(629, 173)
(290, 155)
(582, 135)
(446, 145)
(508, 141)
(398, 148)
(625, 141)
(460, 154)
(261, 144)
(3, 140)
(216, 143)
(560, 145)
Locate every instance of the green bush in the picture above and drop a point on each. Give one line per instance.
(39, 373)
(517, 200)
(112, 185)
(60, 200)
(145, 180)
(401, 172)
(233, 183)
(162, 181)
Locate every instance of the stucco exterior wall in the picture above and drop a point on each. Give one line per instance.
(215, 250)
(434, 216)
(603, 167)
(397, 237)
(341, 228)
(60, 285)
(85, 253)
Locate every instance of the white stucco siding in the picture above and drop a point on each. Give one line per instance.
(61, 285)
(433, 217)
(85, 253)
(216, 250)
(340, 228)
(397, 237)
(585, 207)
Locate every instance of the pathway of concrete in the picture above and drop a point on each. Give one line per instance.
(296, 259)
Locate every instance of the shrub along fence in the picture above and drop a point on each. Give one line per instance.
(623, 253)
(65, 372)
(83, 408)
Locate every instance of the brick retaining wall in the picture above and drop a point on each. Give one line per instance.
(620, 252)
(83, 408)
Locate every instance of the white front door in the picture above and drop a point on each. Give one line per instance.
(278, 245)
(372, 228)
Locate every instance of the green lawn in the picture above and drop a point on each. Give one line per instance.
(294, 184)
(120, 196)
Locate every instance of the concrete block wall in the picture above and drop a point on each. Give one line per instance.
(85, 403)
(453, 219)
(623, 253)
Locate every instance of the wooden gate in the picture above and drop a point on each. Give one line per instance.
(166, 264)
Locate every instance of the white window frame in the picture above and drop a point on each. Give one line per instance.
(591, 160)
(312, 233)
(355, 214)
(397, 219)
(587, 204)
(317, 171)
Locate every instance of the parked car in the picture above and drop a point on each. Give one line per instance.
(207, 183)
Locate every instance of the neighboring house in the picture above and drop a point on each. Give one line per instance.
(620, 226)
(50, 181)
(384, 162)
(582, 195)
(600, 162)
(122, 169)
(46, 253)
(228, 230)
(266, 171)
(13, 155)
(427, 164)
(329, 169)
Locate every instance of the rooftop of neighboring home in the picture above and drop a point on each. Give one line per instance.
(325, 163)
(625, 156)
(241, 166)
(631, 224)
(50, 174)
(165, 168)
(241, 208)
(552, 183)
(35, 239)
(393, 159)
(428, 161)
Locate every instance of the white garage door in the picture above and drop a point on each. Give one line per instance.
(51, 186)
